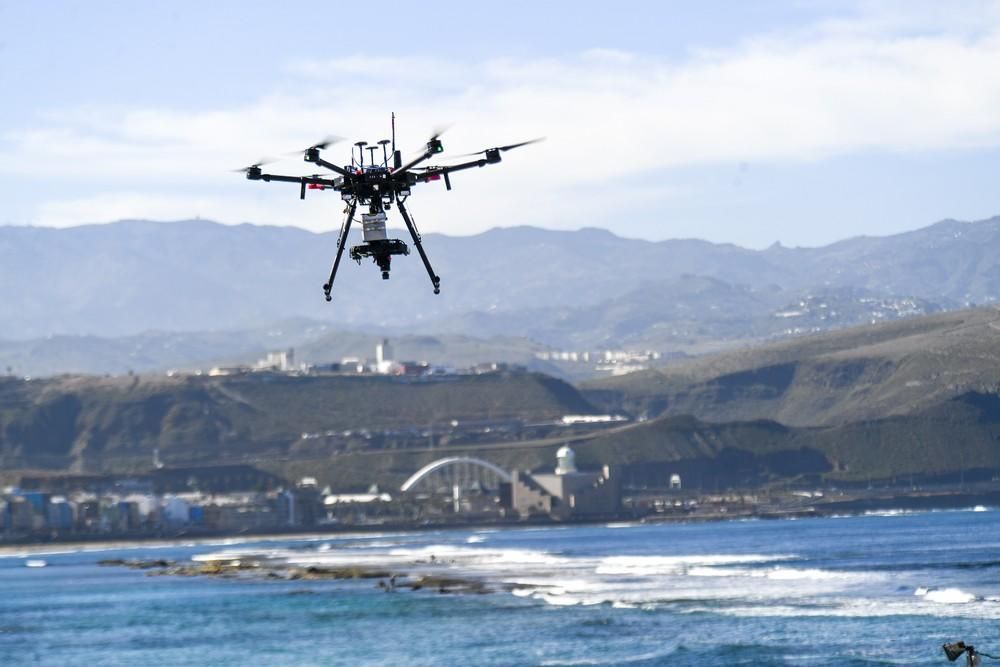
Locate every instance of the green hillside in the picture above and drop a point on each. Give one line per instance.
(859, 374)
(94, 424)
(960, 436)
(919, 397)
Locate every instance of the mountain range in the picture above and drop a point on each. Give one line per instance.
(150, 296)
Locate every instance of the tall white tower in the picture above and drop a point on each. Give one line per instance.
(565, 460)
(383, 351)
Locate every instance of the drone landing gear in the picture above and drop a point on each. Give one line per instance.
(381, 252)
(435, 280)
(341, 242)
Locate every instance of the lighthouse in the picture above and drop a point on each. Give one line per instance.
(565, 460)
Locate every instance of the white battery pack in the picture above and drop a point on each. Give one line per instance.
(374, 226)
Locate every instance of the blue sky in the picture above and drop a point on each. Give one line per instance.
(750, 123)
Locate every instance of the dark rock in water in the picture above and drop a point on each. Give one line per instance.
(135, 564)
(285, 572)
(314, 572)
(449, 585)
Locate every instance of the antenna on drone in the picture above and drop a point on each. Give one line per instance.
(361, 151)
(385, 155)
(397, 157)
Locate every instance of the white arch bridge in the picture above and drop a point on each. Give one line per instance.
(460, 472)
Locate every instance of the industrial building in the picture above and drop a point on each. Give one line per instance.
(566, 493)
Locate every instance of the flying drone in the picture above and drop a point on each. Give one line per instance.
(377, 186)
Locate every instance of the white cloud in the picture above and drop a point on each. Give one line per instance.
(884, 83)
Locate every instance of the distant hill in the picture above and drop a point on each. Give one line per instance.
(586, 288)
(696, 314)
(313, 343)
(941, 442)
(917, 398)
(857, 374)
(99, 424)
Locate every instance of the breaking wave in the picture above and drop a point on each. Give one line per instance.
(726, 584)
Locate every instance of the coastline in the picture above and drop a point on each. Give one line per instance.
(96, 543)
(825, 508)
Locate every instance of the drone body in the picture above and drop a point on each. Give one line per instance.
(376, 187)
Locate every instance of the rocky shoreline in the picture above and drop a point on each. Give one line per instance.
(262, 567)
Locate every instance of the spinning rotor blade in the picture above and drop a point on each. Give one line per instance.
(503, 149)
(322, 144)
(438, 130)
(327, 141)
(436, 133)
(259, 163)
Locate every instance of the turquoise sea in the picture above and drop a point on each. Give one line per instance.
(885, 589)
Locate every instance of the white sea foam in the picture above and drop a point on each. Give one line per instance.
(572, 662)
(621, 660)
(856, 608)
(237, 555)
(812, 574)
(652, 565)
(557, 600)
(744, 584)
(479, 556)
(945, 595)
(377, 544)
(618, 604)
(777, 573)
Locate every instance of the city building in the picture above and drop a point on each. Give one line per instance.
(567, 492)
(282, 361)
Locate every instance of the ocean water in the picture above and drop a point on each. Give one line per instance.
(885, 589)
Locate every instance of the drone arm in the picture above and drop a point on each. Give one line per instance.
(414, 162)
(444, 171)
(267, 178)
(304, 180)
(331, 166)
(459, 167)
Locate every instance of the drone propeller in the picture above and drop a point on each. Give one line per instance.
(322, 145)
(259, 163)
(436, 133)
(503, 149)
(438, 130)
